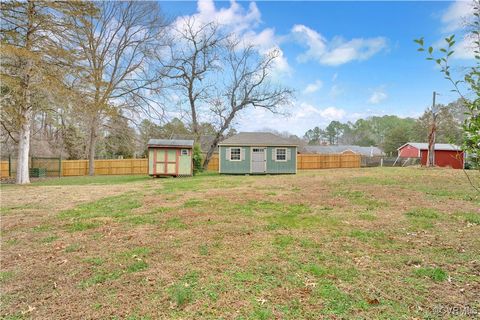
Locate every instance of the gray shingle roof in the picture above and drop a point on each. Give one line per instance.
(257, 139)
(365, 151)
(438, 146)
(170, 142)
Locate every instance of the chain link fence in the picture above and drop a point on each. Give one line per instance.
(389, 162)
(38, 166)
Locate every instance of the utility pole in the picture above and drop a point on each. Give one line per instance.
(431, 135)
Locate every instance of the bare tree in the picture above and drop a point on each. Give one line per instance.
(36, 63)
(119, 45)
(247, 85)
(193, 57)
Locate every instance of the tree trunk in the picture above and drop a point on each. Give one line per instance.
(216, 140)
(210, 152)
(23, 176)
(92, 144)
(195, 129)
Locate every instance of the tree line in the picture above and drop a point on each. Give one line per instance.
(76, 76)
(390, 132)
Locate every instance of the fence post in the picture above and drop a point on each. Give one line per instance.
(10, 165)
(381, 162)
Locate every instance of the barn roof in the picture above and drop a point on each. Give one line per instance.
(438, 146)
(170, 143)
(365, 151)
(257, 139)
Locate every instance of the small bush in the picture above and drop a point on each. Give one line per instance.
(197, 159)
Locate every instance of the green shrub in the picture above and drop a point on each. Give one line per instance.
(197, 159)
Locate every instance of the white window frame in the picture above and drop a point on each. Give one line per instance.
(285, 154)
(182, 152)
(239, 154)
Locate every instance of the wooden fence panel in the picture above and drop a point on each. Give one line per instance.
(74, 168)
(105, 167)
(213, 164)
(327, 161)
(4, 169)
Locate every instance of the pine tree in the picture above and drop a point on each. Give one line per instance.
(35, 63)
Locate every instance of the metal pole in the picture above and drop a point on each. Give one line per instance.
(431, 137)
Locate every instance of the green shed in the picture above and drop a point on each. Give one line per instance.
(170, 157)
(257, 153)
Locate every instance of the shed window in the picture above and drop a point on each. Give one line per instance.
(235, 154)
(184, 152)
(281, 154)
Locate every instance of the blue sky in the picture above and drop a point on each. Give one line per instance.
(345, 60)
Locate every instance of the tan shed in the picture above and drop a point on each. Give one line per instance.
(170, 157)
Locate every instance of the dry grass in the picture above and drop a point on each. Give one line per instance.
(351, 243)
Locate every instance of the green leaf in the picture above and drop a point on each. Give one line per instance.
(430, 50)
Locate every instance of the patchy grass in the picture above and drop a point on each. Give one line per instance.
(175, 223)
(81, 226)
(435, 274)
(110, 207)
(5, 276)
(469, 217)
(377, 243)
(86, 180)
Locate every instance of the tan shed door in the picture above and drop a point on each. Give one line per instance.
(160, 161)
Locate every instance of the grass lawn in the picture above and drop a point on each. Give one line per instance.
(378, 243)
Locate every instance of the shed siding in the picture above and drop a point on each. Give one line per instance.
(185, 164)
(288, 166)
(243, 166)
(150, 161)
(408, 151)
(234, 167)
(445, 158)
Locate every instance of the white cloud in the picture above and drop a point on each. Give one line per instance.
(338, 51)
(454, 20)
(378, 96)
(303, 116)
(456, 15)
(243, 23)
(465, 48)
(234, 17)
(313, 87)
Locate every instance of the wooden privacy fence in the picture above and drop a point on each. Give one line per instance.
(4, 170)
(105, 167)
(140, 166)
(328, 161)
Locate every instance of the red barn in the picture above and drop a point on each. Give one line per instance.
(446, 155)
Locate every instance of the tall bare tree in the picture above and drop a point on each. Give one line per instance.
(193, 58)
(247, 85)
(35, 62)
(119, 45)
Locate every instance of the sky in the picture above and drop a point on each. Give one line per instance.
(345, 60)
